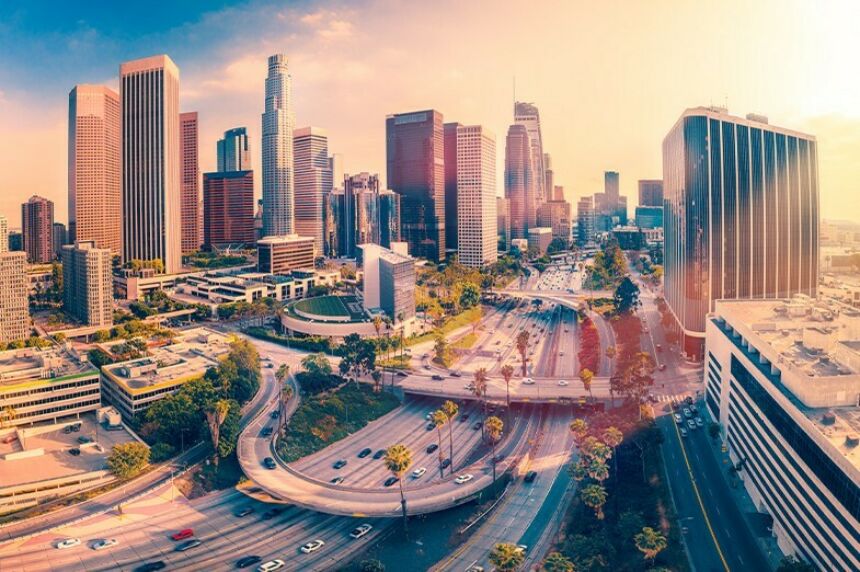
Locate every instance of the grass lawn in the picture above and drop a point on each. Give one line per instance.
(324, 419)
(462, 319)
(395, 361)
(322, 306)
(466, 342)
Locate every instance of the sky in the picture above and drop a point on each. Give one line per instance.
(610, 78)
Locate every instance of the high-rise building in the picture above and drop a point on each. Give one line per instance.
(503, 223)
(277, 148)
(228, 209)
(519, 181)
(359, 215)
(335, 165)
(389, 217)
(37, 226)
(558, 193)
(95, 189)
(192, 234)
(649, 217)
(450, 134)
(548, 178)
(527, 114)
(611, 188)
(313, 178)
(539, 239)
(88, 283)
(389, 282)
(585, 222)
(60, 237)
(651, 192)
(477, 235)
(283, 254)
(234, 151)
(4, 235)
(14, 305)
(556, 215)
(151, 177)
(416, 171)
(740, 215)
(16, 241)
(333, 223)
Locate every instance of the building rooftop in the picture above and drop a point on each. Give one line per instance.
(284, 239)
(31, 366)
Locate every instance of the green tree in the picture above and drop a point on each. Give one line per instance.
(317, 365)
(522, 347)
(594, 496)
(507, 374)
(127, 460)
(450, 409)
(493, 429)
(506, 557)
(215, 416)
(557, 562)
(440, 419)
(626, 296)
(398, 459)
(371, 565)
(579, 428)
(441, 350)
(470, 296)
(630, 523)
(790, 563)
(585, 376)
(480, 391)
(598, 470)
(650, 542)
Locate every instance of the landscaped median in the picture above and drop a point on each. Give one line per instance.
(462, 319)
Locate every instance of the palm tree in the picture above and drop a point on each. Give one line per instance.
(400, 319)
(592, 448)
(480, 391)
(613, 438)
(522, 347)
(440, 418)
(506, 557)
(579, 428)
(450, 409)
(494, 428)
(508, 373)
(579, 470)
(598, 470)
(585, 376)
(377, 324)
(398, 459)
(558, 562)
(594, 496)
(376, 375)
(650, 542)
(215, 417)
(286, 393)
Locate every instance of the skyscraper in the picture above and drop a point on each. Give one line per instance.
(548, 178)
(503, 226)
(650, 192)
(527, 114)
(14, 306)
(228, 209)
(313, 179)
(558, 193)
(88, 283)
(95, 189)
(4, 235)
(151, 178)
(37, 226)
(234, 151)
(60, 237)
(519, 181)
(477, 237)
(416, 171)
(389, 217)
(740, 215)
(277, 148)
(450, 135)
(192, 234)
(585, 222)
(611, 188)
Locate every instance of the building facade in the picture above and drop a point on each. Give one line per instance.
(649, 217)
(415, 162)
(192, 234)
(556, 215)
(88, 283)
(450, 132)
(234, 151)
(519, 181)
(313, 178)
(527, 115)
(228, 209)
(14, 304)
(477, 234)
(503, 223)
(37, 227)
(151, 174)
(539, 239)
(283, 254)
(95, 188)
(60, 237)
(740, 215)
(651, 193)
(389, 282)
(4, 235)
(277, 148)
(585, 222)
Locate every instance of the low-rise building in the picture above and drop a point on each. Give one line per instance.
(225, 287)
(539, 239)
(649, 217)
(283, 254)
(389, 282)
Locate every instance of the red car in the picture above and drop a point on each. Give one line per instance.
(183, 534)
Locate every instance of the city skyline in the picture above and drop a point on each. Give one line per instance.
(222, 80)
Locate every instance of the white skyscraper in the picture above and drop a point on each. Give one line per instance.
(477, 236)
(151, 184)
(278, 199)
(4, 234)
(313, 179)
(527, 114)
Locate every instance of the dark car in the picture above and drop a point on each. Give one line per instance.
(151, 566)
(477, 425)
(339, 464)
(437, 377)
(402, 374)
(272, 513)
(390, 481)
(275, 414)
(430, 426)
(76, 427)
(336, 480)
(188, 545)
(379, 454)
(498, 459)
(530, 476)
(245, 511)
(432, 447)
(365, 452)
(247, 561)
(446, 463)
(74, 452)
(83, 439)
(464, 417)
(456, 374)
(269, 463)
(267, 432)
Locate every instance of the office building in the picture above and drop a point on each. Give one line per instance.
(519, 181)
(651, 193)
(477, 234)
(283, 254)
(151, 175)
(14, 304)
(741, 215)
(16, 241)
(389, 218)
(333, 223)
(558, 193)
(556, 215)
(539, 239)
(783, 379)
(416, 171)
(389, 282)
(37, 228)
(228, 209)
(88, 283)
(527, 115)
(313, 178)
(60, 236)
(4, 235)
(192, 234)
(230, 286)
(503, 223)
(234, 151)
(45, 385)
(95, 188)
(450, 134)
(365, 214)
(278, 176)
(649, 217)
(548, 178)
(585, 222)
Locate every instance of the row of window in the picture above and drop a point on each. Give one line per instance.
(20, 407)
(51, 388)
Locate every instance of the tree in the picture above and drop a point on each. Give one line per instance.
(215, 416)
(650, 542)
(522, 348)
(377, 324)
(594, 496)
(558, 562)
(316, 365)
(286, 394)
(506, 557)
(598, 470)
(451, 409)
(579, 428)
(371, 565)
(507, 374)
(358, 356)
(7, 416)
(585, 376)
(790, 563)
(626, 296)
(714, 430)
(439, 419)
(127, 460)
(630, 523)
(611, 352)
(494, 427)
(480, 390)
(398, 459)
(440, 350)
(376, 376)
(613, 438)
(470, 296)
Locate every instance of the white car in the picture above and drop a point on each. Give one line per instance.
(563, 382)
(313, 546)
(528, 381)
(68, 543)
(271, 565)
(417, 473)
(105, 543)
(360, 531)
(463, 479)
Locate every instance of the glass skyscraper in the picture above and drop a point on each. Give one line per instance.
(740, 215)
(278, 198)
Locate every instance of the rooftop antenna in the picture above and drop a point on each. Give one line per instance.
(515, 94)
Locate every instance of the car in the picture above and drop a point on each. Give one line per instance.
(464, 417)
(272, 513)
(446, 463)
(430, 426)
(530, 477)
(688, 400)
(652, 398)
(431, 447)
(270, 366)
(271, 565)
(427, 366)
(528, 380)
(469, 386)
(687, 413)
(691, 424)
(390, 481)
(360, 531)
(417, 473)
(188, 545)
(183, 534)
(659, 348)
(678, 418)
(463, 479)
(426, 355)
(247, 561)
(476, 425)
(275, 414)
(497, 459)
(561, 352)
(402, 374)
(662, 367)
(365, 452)
(436, 377)
(522, 548)
(267, 432)
(74, 452)
(104, 543)
(312, 546)
(269, 463)
(339, 464)
(428, 416)
(76, 427)
(456, 374)
(83, 439)
(379, 454)
(336, 480)
(683, 432)
(244, 511)
(68, 543)
(563, 383)
(151, 566)
(693, 408)
(699, 422)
